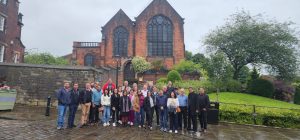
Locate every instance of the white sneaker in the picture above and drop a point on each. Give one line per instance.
(170, 131)
(128, 123)
(114, 124)
(139, 126)
(120, 122)
(131, 123)
(151, 128)
(104, 124)
(176, 131)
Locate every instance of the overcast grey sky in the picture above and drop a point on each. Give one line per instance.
(52, 25)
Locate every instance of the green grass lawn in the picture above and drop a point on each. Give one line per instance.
(242, 98)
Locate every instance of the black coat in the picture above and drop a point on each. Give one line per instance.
(147, 105)
(74, 97)
(203, 102)
(121, 103)
(192, 103)
(85, 96)
(115, 101)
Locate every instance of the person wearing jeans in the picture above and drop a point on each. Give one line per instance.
(156, 108)
(182, 116)
(161, 102)
(106, 103)
(142, 111)
(85, 99)
(136, 108)
(63, 97)
(203, 106)
(73, 105)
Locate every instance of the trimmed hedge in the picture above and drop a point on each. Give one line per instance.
(274, 117)
(174, 76)
(262, 87)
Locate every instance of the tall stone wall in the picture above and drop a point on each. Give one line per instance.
(35, 83)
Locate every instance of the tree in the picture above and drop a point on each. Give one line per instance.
(188, 55)
(254, 74)
(247, 39)
(140, 65)
(190, 67)
(219, 70)
(45, 59)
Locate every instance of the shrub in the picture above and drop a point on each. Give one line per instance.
(265, 116)
(297, 96)
(162, 80)
(174, 76)
(262, 87)
(233, 86)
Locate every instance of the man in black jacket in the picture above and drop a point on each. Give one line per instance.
(192, 109)
(85, 99)
(203, 106)
(73, 105)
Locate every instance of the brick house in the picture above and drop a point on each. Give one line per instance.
(156, 34)
(11, 46)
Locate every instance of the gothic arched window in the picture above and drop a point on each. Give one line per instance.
(120, 41)
(160, 36)
(89, 60)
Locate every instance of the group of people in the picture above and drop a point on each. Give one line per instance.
(129, 106)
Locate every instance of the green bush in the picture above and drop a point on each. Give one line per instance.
(174, 76)
(233, 86)
(297, 96)
(162, 80)
(262, 87)
(274, 117)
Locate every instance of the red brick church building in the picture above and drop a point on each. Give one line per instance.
(155, 34)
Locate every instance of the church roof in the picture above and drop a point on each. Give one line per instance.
(159, 2)
(120, 15)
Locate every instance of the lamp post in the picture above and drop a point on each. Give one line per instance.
(118, 62)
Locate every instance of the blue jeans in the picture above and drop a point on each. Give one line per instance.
(137, 118)
(72, 112)
(106, 114)
(61, 114)
(142, 113)
(163, 115)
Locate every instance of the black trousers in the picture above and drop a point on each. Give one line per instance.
(203, 119)
(192, 119)
(157, 109)
(115, 115)
(182, 116)
(149, 116)
(72, 112)
(94, 114)
(173, 121)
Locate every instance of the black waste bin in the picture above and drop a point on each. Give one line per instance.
(213, 113)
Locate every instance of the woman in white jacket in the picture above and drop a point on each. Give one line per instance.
(172, 105)
(105, 101)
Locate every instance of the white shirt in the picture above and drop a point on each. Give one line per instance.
(144, 92)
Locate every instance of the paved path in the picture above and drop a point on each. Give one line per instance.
(31, 125)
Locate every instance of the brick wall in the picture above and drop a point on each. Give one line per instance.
(36, 82)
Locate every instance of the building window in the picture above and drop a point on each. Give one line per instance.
(16, 57)
(2, 23)
(120, 41)
(2, 53)
(89, 60)
(160, 36)
(4, 2)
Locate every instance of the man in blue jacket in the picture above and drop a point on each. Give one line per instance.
(73, 105)
(63, 97)
(161, 102)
